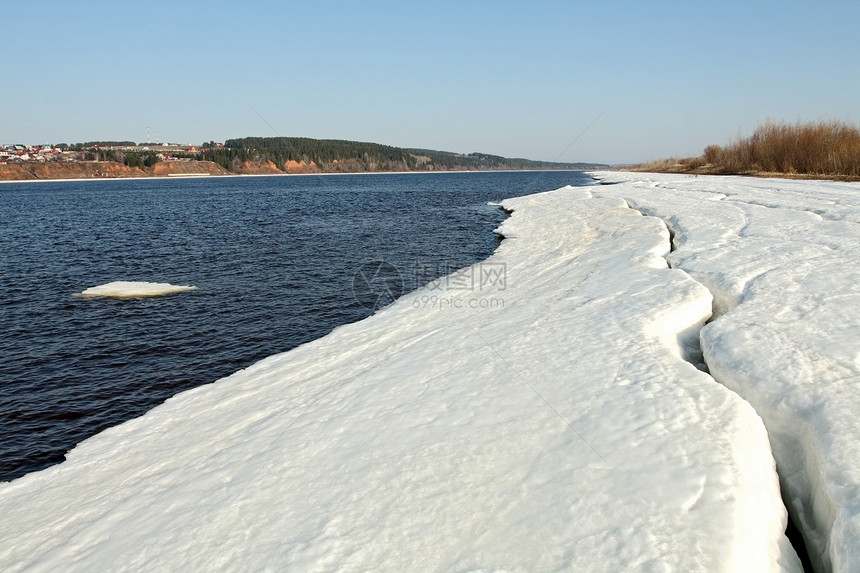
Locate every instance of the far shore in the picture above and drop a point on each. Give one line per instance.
(679, 169)
(175, 176)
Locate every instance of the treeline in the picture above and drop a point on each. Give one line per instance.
(483, 161)
(819, 149)
(130, 158)
(135, 159)
(330, 155)
(92, 144)
(327, 154)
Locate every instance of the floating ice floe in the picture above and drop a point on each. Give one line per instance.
(133, 289)
(782, 259)
(534, 412)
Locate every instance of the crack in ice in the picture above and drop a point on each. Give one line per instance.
(785, 331)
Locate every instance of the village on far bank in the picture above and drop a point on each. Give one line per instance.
(20, 153)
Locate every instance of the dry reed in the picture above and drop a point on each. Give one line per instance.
(823, 148)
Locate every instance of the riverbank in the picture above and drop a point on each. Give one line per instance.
(75, 170)
(693, 166)
(55, 170)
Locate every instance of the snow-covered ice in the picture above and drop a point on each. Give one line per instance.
(781, 258)
(133, 289)
(534, 412)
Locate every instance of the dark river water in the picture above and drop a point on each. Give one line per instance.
(275, 260)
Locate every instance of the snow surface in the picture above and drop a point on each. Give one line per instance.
(781, 258)
(133, 289)
(533, 412)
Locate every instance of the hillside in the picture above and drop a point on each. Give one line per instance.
(267, 156)
(306, 155)
(34, 171)
(482, 161)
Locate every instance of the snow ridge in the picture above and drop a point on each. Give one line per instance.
(690, 348)
(780, 257)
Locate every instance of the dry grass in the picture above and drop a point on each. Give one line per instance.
(824, 149)
(671, 165)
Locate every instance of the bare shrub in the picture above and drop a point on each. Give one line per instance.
(828, 148)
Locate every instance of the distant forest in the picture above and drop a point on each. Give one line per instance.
(332, 155)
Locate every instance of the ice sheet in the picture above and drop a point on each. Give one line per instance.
(133, 289)
(781, 258)
(530, 413)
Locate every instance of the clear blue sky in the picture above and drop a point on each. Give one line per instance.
(520, 79)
